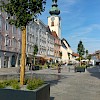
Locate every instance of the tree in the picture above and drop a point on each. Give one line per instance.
(35, 52)
(80, 50)
(86, 53)
(20, 13)
(89, 57)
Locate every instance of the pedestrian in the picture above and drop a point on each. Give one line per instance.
(59, 68)
(66, 65)
(30, 66)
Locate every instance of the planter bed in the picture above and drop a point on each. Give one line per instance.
(42, 93)
(80, 69)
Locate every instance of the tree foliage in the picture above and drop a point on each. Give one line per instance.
(35, 50)
(21, 12)
(80, 49)
(86, 53)
(89, 57)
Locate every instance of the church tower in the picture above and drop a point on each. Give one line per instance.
(54, 20)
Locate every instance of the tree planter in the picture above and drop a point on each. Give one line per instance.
(42, 93)
(80, 69)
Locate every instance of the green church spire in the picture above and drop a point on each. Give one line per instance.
(54, 10)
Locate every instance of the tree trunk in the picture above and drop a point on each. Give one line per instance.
(23, 57)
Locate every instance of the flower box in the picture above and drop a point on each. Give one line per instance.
(80, 69)
(42, 93)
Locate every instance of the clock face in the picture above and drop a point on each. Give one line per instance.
(52, 19)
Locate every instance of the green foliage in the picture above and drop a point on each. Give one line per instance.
(89, 57)
(86, 53)
(30, 83)
(35, 83)
(15, 86)
(35, 50)
(21, 12)
(2, 85)
(78, 59)
(13, 83)
(80, 49)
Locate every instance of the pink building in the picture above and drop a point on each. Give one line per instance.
(57, 45)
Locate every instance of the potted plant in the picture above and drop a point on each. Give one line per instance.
(34, 89)
(80, 69)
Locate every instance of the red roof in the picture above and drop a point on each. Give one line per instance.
(75, 54)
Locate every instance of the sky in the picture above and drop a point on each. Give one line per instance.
(80, 20)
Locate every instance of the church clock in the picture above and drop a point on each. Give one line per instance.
(52, 18)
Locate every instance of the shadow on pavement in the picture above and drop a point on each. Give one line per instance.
(94, 71)
(54, 81)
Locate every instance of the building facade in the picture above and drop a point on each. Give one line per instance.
(66, 51)
(57, 45)
(39, 34)
(10, 43)
(46, 37)
(54, 20)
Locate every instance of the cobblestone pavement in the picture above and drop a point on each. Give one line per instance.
(82, 86)
(70, 85)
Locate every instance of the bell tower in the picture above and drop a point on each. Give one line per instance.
(54, 20)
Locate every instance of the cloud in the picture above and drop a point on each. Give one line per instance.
(90, 37)
(85, 30)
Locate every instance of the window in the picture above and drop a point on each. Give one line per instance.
(14, 30)
(7, 26)
(8, 42)
(30, 49)
(19, 31)
(19, 45)
(30, 38)
(52, 23)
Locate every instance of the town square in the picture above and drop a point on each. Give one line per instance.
(49, 50)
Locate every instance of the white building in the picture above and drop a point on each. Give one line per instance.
(10, 43)
(54, 20)
(39, 34)
(66, 51)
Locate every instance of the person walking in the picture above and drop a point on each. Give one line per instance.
(59, 68)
